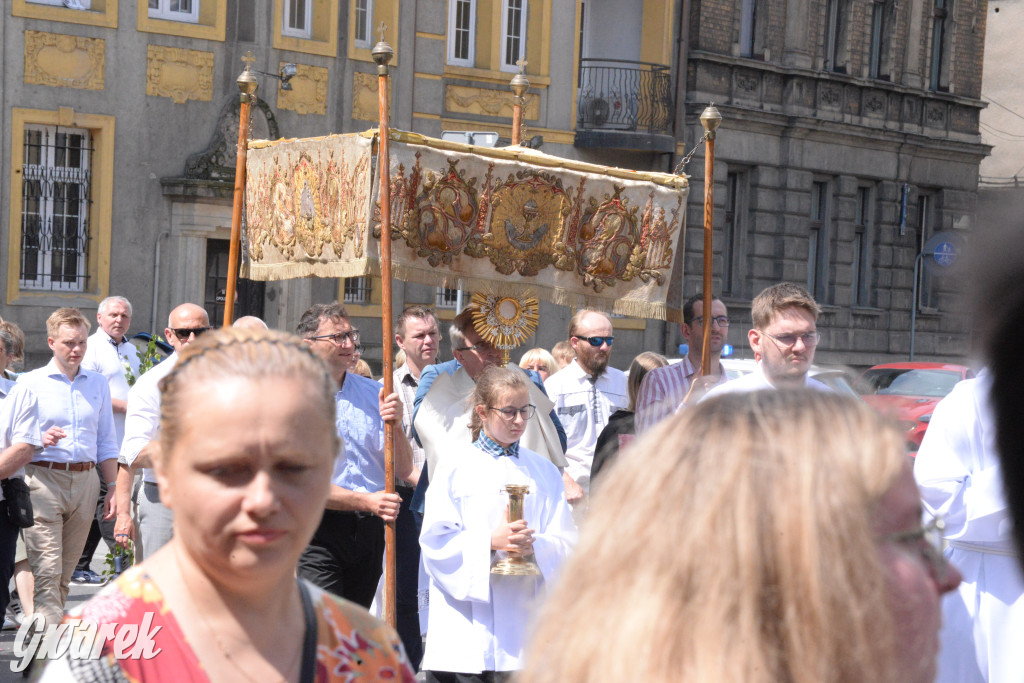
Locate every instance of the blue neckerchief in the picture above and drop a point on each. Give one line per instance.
(493, 448)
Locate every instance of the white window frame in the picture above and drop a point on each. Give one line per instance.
(306, 30)
(163, 11)
(46, 171)
(367, 24)
(75, 4)
(469, 60)
(505, 64)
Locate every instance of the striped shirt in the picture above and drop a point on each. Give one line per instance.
(406, 386)
(663, 390)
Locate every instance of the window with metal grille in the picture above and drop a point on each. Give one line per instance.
(71, 4)
(446, 299)
(363, 23)
(298, 19)
(56, 178)
(513, 31)
(358, 290)
(174, 10)
(461, 32)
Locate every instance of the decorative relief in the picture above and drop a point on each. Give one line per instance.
(179, 74)
(874, 104)
(746, 82)
(935, 115)
(64, 61)
(852, 100)
(464, 99)
(911, 110)
(309, 91)
(365, 102)
(830, 95)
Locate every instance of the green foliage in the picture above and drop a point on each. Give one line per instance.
(119, 559)
(149, 358)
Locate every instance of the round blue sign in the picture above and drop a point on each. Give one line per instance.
(945, 253)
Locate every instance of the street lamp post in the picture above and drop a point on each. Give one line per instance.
(710, 119)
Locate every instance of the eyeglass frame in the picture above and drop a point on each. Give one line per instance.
(349, 335)
(528, 408)
(797, 337)
(931, 551)
(183, 333)
(481, 345)
(600, 340)
(720, 320)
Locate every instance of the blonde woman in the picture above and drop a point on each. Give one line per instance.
(247, 446)
(540, 361)
(757, 538)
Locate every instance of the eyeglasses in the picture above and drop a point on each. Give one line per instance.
(787, 340)
(483, 347)
(596, 341)
(339, 338)
(183, 333)
(720, 320)
(509, 414)
(926, 540)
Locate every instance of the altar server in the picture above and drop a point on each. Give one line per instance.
(477, 620)
(959, 474)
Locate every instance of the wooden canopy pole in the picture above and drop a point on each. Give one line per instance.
(247, 85)
(382, 54)
(710, 119)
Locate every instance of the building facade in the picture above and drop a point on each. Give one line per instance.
(850, 136)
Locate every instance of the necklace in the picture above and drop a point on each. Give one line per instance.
(220, 645)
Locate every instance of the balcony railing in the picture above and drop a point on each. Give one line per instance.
(620, 95)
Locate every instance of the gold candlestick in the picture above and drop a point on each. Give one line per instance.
(514, 564)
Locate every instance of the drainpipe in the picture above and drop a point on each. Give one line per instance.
(156, 279)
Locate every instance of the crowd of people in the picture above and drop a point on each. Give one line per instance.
(665, 524)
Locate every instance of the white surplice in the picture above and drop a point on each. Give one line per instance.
(477, 621)
(958, 471)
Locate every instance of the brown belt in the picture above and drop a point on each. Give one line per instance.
(65, 466)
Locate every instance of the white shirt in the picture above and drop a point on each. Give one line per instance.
(584, 407)
(107, 357)
(81, 407)
(958, 472)
(477, 622)
(756, 381)
(18, 420)
(142, 422)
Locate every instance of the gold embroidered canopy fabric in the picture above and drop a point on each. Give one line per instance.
(497, 220)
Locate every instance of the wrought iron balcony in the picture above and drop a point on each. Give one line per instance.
(625, 105)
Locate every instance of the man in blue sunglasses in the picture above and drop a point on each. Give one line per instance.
(586, 392)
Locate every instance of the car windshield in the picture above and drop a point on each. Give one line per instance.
(908, 382)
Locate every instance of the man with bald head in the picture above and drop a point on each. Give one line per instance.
(586, 392)
(142, 424)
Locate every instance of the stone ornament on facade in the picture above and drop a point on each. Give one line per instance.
(66, 61)
(179, 73)
(463, 99)
(364, 97)
(309, 90)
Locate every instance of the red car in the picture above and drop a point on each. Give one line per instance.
(909, 392)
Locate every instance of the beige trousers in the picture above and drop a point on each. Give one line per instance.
(63, 504)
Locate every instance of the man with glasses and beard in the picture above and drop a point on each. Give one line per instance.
(141, 429)
(586, 392)
(784, 337)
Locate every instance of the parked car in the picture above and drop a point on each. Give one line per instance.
(909, 392)
(835, 377)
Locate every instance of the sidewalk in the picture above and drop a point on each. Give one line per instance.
(76, 596)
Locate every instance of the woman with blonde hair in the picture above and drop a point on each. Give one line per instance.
(246, 449)
(540, 361)
(762, 537)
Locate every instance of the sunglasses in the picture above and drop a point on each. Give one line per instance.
(183, 333)
(597, 341)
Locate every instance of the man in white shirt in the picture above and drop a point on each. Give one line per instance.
(142, 426)
(20, 440)
(78, 426)
(585, 393)
(784, 337)
(663, 390)
(110, 354)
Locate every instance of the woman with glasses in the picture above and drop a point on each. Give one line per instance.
(769, 536)
(477, 620)
(246, 448)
